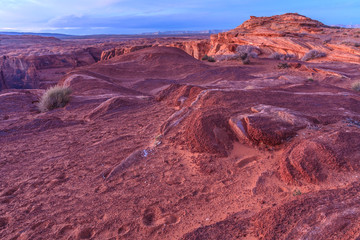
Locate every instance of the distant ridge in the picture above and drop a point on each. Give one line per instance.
(185, 32)
(348, 26)
(57, 35)
(66, 36)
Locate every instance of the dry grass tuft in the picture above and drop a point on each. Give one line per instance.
(54, 97)
(312, 54)
(356, 86)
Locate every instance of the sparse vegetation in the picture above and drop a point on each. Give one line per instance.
(244, 58)
(356, 86)
(279, 56)
(250, 50)
(208, 58)
(351, 44)
(296, 192)
(310, 80)
(283, 66)
(54, 97)
(242, 53)
(312, 54)
(276, 55)
(327, 40)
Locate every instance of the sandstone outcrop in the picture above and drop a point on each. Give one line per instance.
(195, 48)
(268, 125)
(289, 34)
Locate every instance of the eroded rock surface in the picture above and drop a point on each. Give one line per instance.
(289, 34)
(156, 144)
(268, 125)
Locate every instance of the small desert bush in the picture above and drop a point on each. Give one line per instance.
(312, 54)
(54, 97)
(276, 55)
(327, 40)
(242, 53)
(283, 66)
(351, 44)
(356, 86)
(250, 50)
(205, 58)
(211, 59)
(243, 57)
(289, 56)
(279, 56)
(208, 58)
(309, 80)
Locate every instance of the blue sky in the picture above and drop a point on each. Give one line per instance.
(138, 16)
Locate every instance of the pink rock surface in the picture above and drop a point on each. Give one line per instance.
(150, 145)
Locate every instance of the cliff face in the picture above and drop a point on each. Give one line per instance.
(106, 55)
(27, 71)
(195, 48)
(16, 73)
(37, 62)
(289, 34)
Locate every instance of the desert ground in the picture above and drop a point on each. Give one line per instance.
(260, 142)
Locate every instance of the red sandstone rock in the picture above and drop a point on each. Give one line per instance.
(288, 34)
(145, 150)
(268, 125)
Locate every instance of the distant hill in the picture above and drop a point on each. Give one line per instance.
(185, 32)
(348, 26)
(66, 36)
(57, 35)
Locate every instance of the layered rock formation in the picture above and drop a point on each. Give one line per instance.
(26, 71)
(193, 47)
(38, 62)
(290, 34)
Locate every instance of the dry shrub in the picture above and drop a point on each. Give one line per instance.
(356, 86)
(312, 54)
(208, 58)
(279, 56)
(250, 50)
(283, 66)
(54, 97)
(276, 55)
